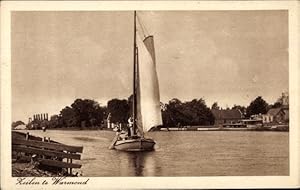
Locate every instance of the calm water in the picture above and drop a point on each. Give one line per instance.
(184, 153)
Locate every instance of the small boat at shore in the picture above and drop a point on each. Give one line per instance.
(146, 112)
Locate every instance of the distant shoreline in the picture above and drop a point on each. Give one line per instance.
(79, 129)
(198, 129)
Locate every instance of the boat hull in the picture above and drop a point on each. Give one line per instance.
(140, 144)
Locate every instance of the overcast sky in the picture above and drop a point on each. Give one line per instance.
(226, 56)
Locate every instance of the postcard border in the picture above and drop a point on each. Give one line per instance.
(157, 182)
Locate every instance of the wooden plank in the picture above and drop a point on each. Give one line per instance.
(54, 146)
(112, 145)
(20, 135)
(42, 152)
(59, 164)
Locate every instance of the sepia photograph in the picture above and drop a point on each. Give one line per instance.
(149, 93)
(211, 85)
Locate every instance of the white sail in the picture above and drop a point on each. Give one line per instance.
(148, 100)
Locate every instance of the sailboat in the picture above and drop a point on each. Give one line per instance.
(146, 112)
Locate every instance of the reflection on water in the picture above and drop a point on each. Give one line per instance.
(141, 163)
(137, 164)
(211, 153)
(85, 139)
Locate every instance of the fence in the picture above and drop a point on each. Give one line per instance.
(49, 153)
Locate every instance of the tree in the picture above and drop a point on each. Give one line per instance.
(55, 121)
(82, 111)
(69, 117)
(199, 112)
(276, 105)
(166, 115)
(194, 112)
(88, 111)
(175, 103)
(281, 101)
(215, 106)
(241, 108)
(257, 106)
(175, 113)
(169, 114)
(119, 110)
(16, 124)
(130, 104)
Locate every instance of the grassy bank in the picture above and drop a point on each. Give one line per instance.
(30, 170)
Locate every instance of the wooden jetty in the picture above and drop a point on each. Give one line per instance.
(47, 152)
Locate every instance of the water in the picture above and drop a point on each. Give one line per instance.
(184, 153)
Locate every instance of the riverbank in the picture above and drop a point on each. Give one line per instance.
(30, 170)
(283, 128)
(80, 129)
(190, 128)
(226, 129)
(33, 155)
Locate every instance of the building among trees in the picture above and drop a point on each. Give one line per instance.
(228, 116)
(279, 115)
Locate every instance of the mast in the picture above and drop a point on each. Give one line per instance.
(134, 76)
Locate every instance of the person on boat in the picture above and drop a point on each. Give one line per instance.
(118, 131)
(121, 134)
(130, 126)
(117, 137)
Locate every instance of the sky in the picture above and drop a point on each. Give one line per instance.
(229, 57)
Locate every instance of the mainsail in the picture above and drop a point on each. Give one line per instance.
(147, 92)
(146, 111)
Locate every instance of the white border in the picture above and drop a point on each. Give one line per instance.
(8, 182)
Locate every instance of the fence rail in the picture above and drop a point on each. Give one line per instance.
(48, 145)
(49, 153)
(59, 164)
(30, 150)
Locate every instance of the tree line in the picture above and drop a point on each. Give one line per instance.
(87, 113)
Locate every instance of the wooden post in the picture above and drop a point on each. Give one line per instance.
(26, 138)
(49, 142)
(67, 168)
(44, 139)
(71, 168)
